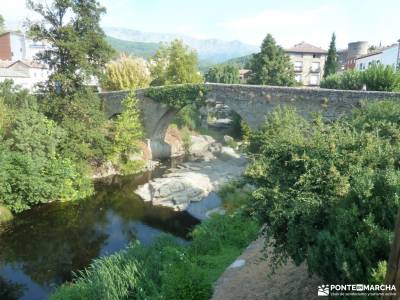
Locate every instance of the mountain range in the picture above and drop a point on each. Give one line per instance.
(212, 51)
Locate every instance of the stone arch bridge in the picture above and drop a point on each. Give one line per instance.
(251, 102)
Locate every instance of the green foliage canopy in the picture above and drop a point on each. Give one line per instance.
(223, 74)
(174, 63)
(126, 73)
(78, 49)
(376, 78)
(329, 193)
(272, 66)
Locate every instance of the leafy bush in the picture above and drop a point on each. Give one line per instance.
(376, 78)
(381, 78)
(234, 196)
(31, 171)
(329, 193)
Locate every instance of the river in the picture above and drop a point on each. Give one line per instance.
(41, 248)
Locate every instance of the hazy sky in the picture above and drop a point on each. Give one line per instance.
(250, 20)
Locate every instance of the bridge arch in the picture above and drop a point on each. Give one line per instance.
(251, 102)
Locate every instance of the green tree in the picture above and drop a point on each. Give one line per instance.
(223, 74)
(31, 169)
(128, 135)
(271, 66)
(78, 50)
(175, 63)
(126, 73)
(77, 55)
(331, 64)
(2, 24)
(329, 190)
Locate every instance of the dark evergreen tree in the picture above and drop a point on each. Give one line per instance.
(271, 66)
(331, 64)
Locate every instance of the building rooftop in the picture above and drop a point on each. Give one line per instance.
(28, 63)
(377, 51)
(5, 72)
(304, 47)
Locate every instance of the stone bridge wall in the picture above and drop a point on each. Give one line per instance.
(251, 102)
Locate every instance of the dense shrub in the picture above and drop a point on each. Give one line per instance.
(329, 193)
(31, 171)
(32, 167)
(376, 78)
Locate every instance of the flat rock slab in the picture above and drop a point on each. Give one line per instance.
(249, 278)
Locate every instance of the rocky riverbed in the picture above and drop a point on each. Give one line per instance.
(210, 165)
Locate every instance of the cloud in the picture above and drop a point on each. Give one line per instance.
(290, 26)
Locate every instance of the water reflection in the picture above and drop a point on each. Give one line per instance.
(40, 248)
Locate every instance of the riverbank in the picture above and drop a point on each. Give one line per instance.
(250, 277)
(211, 166)
(165, 269)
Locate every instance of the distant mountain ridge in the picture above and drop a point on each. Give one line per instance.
(134, 48)
(210, 50)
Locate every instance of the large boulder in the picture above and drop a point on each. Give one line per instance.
(176, 190)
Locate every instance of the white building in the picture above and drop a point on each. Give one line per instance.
(308, 62)
(17, 46)
(17, 60)
(387, 56)
(24, 73)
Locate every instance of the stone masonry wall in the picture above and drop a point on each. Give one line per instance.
(251, 102)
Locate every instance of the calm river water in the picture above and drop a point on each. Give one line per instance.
(41, 248)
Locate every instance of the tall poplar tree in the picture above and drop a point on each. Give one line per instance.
(271, 66)
(331, 64)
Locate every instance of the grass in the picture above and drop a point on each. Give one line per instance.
(166, 269)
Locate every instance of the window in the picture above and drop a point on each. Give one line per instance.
(316, 55)
(314, 79)
(298, 66)
(298, 78)
(315, 67)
